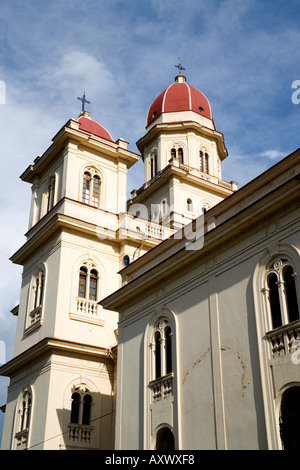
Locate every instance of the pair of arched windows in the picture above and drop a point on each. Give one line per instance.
(282, 293)
(24, 409)
(177, 153)
(203, 162)
(91, 188)
(88, 283)
(162, 349)
(81, 403)
(38, 288)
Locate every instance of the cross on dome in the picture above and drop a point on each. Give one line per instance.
(83, 100)
(179, 66)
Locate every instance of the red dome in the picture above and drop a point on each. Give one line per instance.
(88, 125)
(179, 97)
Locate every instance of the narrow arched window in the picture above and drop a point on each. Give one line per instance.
(82, 282)
(50, 193)
(291, 294)
(86, 412)
(206, 167)
(153, 165)
(93, 284)
(173, 153)
(86, 187)
(168, 336)
(180, 155)
(274, 301)
(201, 160)
(96, 191)
(157, 355)
(75, 406)
(25, 411)
(39, 289)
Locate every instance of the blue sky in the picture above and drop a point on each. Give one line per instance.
(242, 54)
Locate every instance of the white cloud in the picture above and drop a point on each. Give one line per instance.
(273, 154)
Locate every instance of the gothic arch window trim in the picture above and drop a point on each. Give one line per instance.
(271, 343)
(288, 415)
(23, 418)
(87, 289)
(153, 163)
(91, 186)
(82, 405)
(161, 382)
(36, 299)
(177, 151)
(51, 192)
(280, 289)
(164, 439)
(204, 161)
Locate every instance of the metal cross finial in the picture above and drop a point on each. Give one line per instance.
(179, 66)
(83, 100)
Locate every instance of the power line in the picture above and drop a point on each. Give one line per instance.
(65, 432)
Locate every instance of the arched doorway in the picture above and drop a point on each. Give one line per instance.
(290, 419)
(165, 439)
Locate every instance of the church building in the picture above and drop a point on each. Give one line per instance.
(169, 321)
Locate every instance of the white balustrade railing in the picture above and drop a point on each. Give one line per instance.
(87, 307)
(162, 387)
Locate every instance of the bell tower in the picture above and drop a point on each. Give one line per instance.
(182, 153)
(62, 375)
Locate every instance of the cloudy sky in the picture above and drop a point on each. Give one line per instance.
(242, 54)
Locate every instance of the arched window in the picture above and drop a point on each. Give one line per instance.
(177, 152)
(180, 155)
(189, 205)
(282, 293)
(291, 294)
(50, 193)
(86, 187)
(24, 417)
(81, 403)
(91, 186)
(165, 439)
(157, 355)
(274, 301)
(93, 284)
(289, 418)
(162, 349)
(153, 165)
(206, 167)
(203, 162)
(96, 190)
(36, 300)
(83, 273)
(39, 289)
(88, 280)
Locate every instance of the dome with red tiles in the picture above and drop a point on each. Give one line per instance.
(179, 97)
(88, 125)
